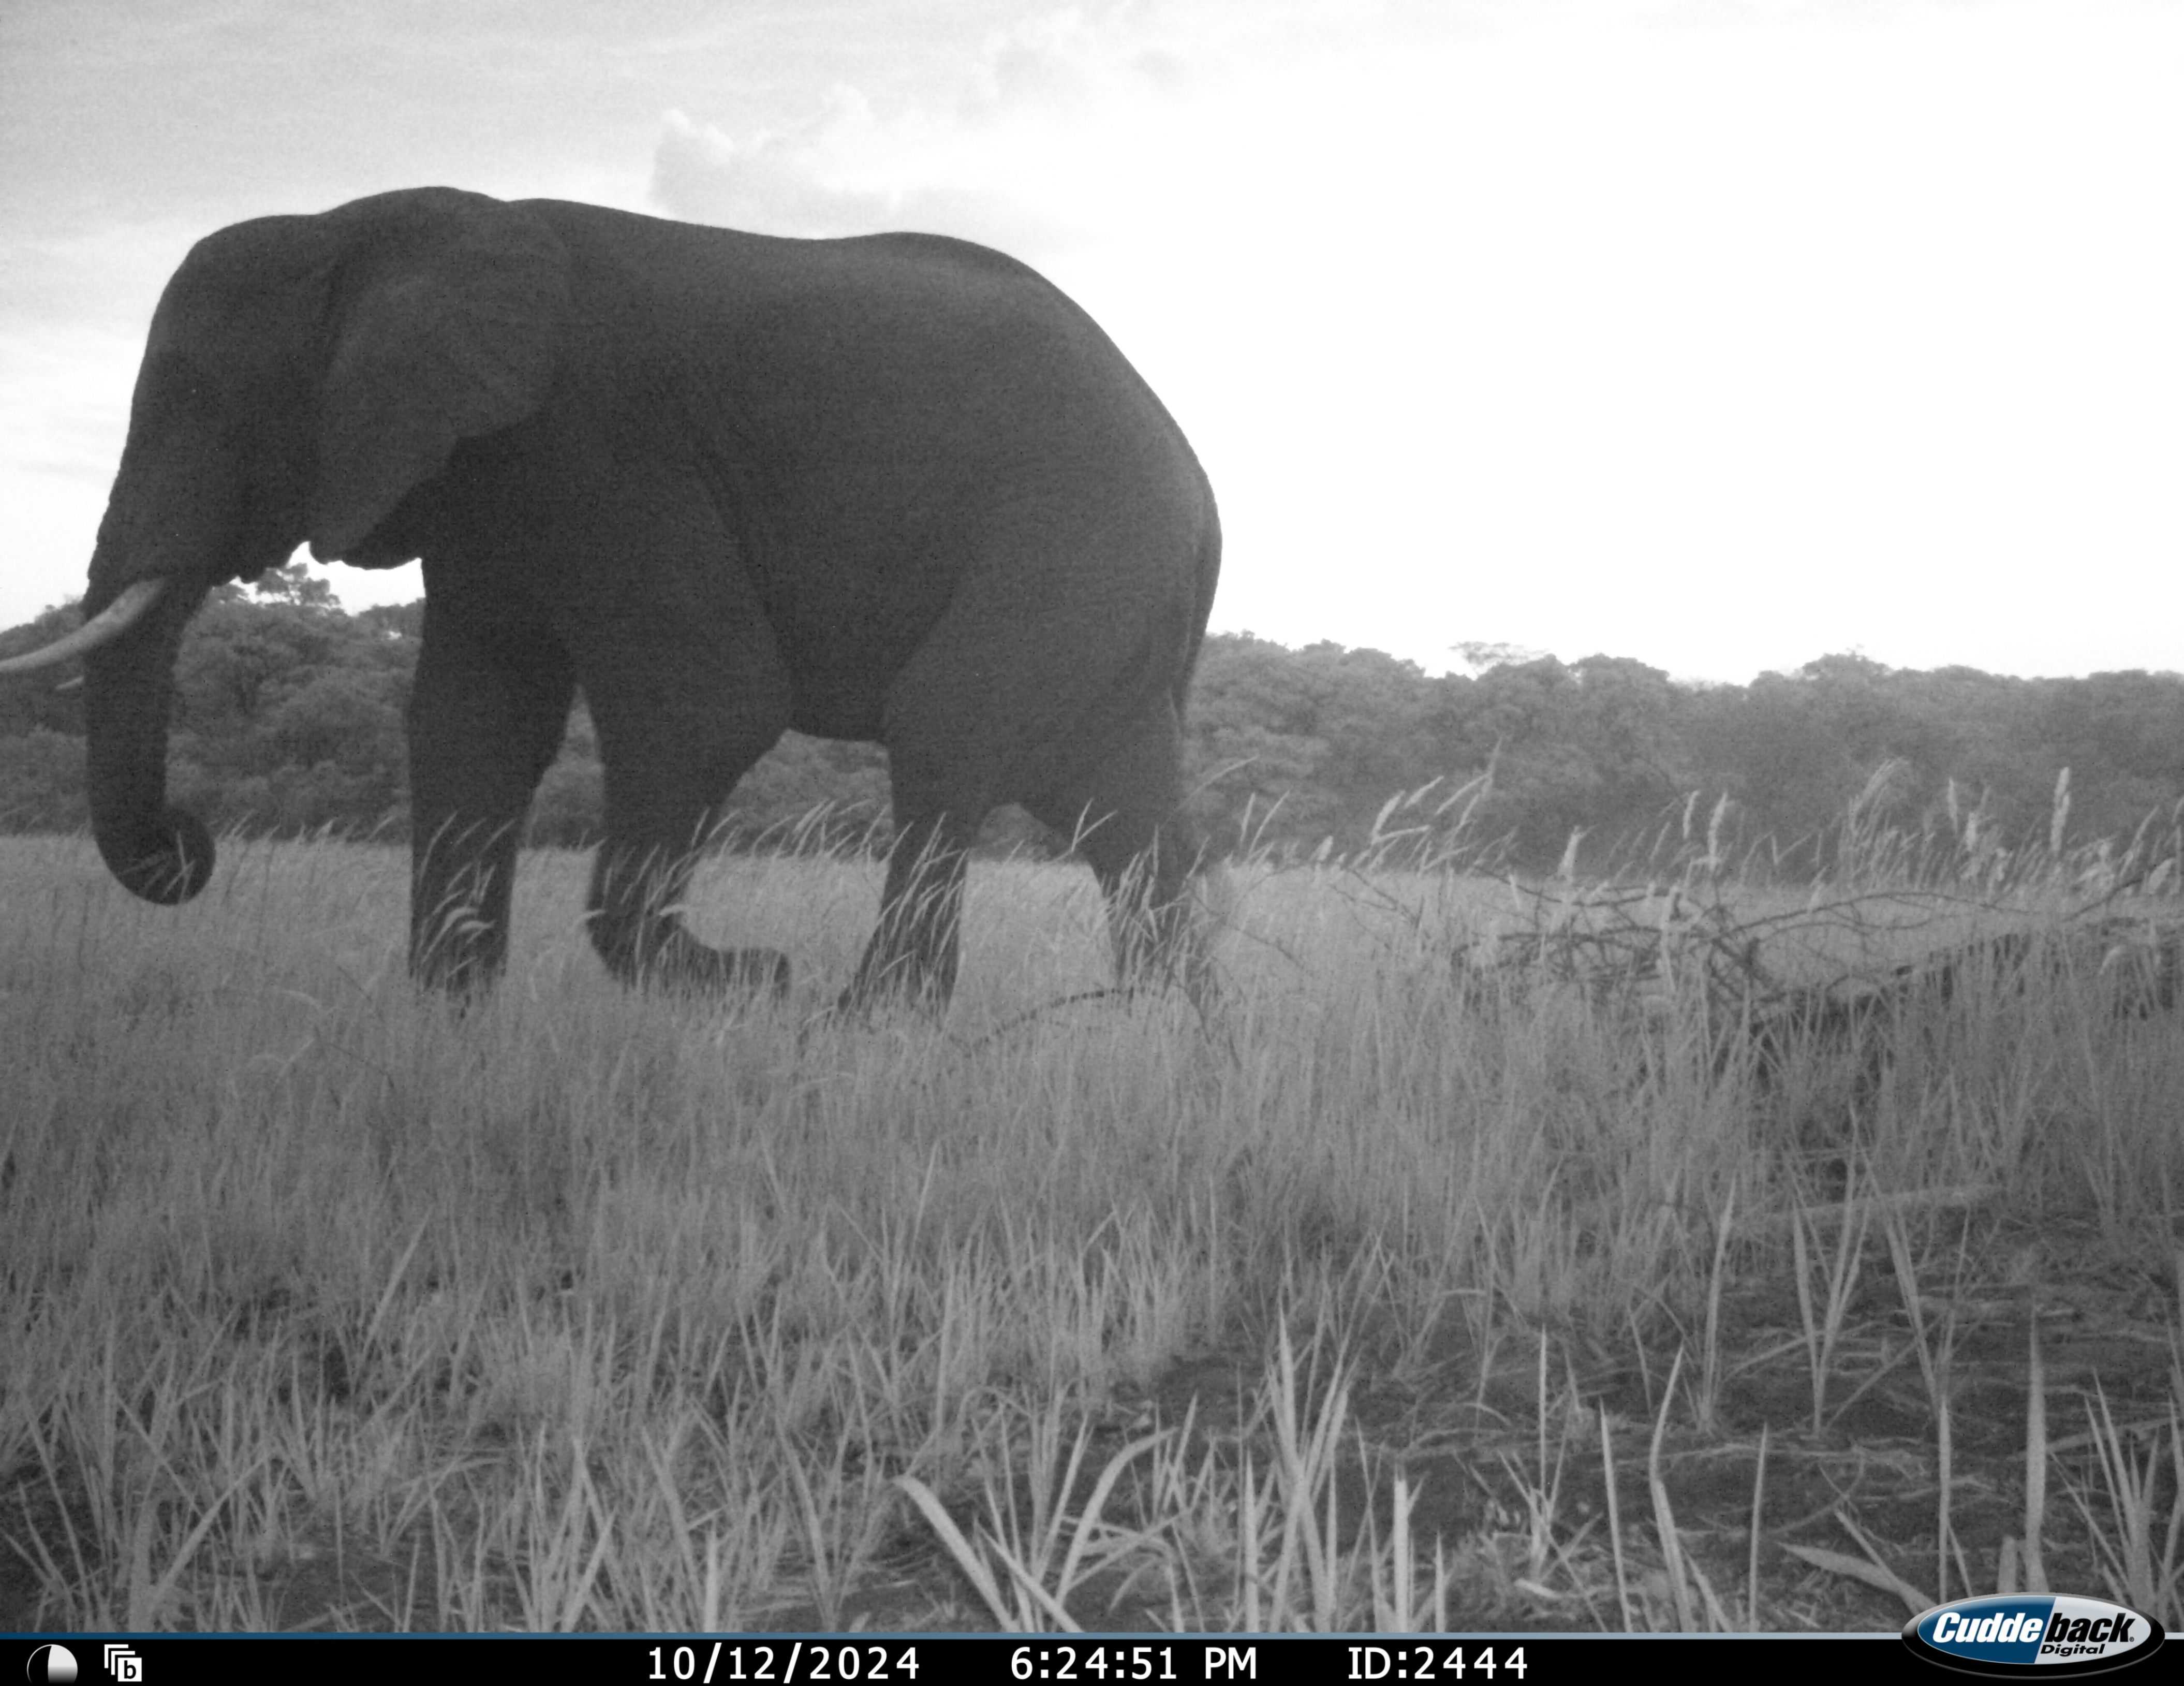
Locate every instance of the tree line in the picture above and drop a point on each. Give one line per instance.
(288, 720)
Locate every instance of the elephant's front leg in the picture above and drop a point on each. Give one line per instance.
(682, 711)
(486, 718)
(636, 884)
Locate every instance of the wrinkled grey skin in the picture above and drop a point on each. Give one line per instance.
(896, 488)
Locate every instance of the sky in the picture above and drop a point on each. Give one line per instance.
(1722, 334)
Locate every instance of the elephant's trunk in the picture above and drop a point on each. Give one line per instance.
(160, 853)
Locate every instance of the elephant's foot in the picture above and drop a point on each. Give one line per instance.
(462, 978)
(460, 955)
(856, 1003)
(900, 982)
(669, 958)
(754, 971)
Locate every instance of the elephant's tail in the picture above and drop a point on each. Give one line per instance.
(1209, 577)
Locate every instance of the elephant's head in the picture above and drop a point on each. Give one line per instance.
(303, 375)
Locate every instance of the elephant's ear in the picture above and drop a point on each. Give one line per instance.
(447, 327)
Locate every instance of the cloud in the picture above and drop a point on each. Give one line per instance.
(827, 179)
(1072, 60)
(831, 177)
(773, 183)
(1035, 142)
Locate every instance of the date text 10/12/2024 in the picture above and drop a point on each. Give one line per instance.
(838, 1662)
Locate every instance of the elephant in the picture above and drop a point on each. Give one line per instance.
(896, 488)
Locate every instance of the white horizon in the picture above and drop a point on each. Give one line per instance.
(1720, 336)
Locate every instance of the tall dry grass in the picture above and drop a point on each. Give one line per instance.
(1475, 1262)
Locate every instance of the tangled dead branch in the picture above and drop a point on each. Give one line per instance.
(1824, 977)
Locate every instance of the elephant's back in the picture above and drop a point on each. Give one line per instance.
(966, 320)
(890, 422)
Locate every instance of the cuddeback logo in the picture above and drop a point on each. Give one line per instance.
(2053, 1635)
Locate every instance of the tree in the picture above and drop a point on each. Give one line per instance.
(290, 720)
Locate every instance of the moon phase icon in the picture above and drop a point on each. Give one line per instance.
(51, 1666)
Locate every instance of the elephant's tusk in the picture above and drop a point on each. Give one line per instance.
(104, 627)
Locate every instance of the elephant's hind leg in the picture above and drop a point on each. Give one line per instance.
(912, 953)
(1125, 820)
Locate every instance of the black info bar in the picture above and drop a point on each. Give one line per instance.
(918, 1659)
